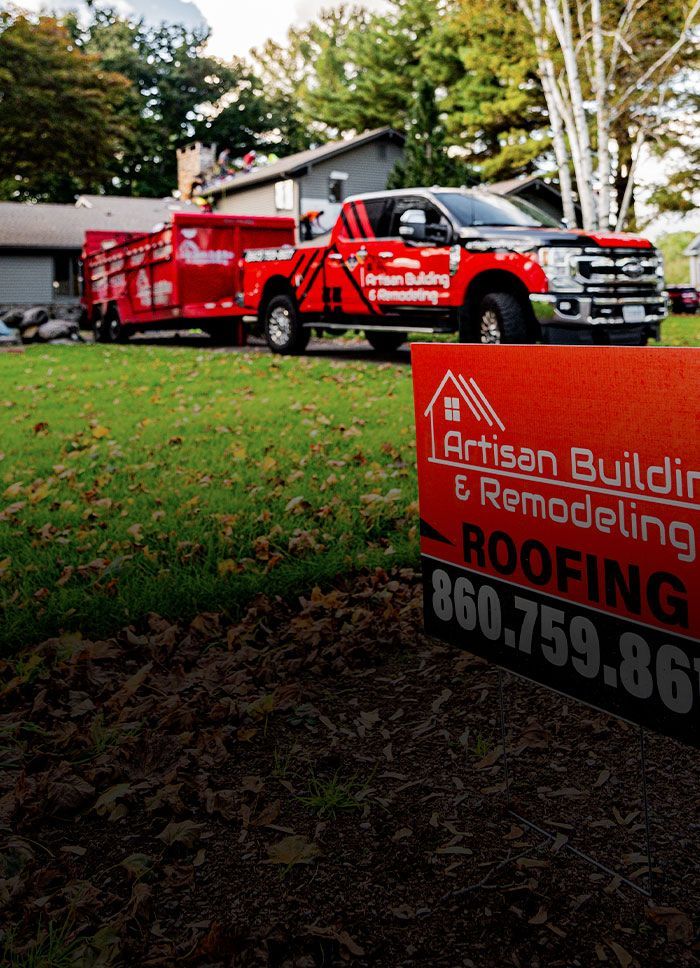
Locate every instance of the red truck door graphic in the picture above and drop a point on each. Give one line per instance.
(354, 252)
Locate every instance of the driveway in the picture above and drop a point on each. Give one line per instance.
(338, 348)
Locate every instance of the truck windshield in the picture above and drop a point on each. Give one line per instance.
(489, 209)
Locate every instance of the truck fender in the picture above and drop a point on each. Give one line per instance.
(489, 282)
(275, 286)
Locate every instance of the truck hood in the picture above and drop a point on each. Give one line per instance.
(518, 236)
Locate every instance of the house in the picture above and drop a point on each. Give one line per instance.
(315, 180)
(537, 191)
(693, 253)
(40, 244)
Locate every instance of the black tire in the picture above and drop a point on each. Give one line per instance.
(283, 330)
(383, 341)
(500, 318)
(108, 328)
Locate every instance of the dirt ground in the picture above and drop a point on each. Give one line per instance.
(322, 785)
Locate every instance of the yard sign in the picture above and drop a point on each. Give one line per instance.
(560, 509)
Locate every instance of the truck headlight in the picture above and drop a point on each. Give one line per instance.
(558, 264)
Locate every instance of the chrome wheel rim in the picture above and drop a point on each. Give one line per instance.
(490, 327)
(280, 326)
(114, 330)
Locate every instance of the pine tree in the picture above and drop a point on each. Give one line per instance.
(426, 160)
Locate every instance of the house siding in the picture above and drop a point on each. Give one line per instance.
(368, 167)
(257, 200)
(26, 279)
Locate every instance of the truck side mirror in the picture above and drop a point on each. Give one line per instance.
(412, 225)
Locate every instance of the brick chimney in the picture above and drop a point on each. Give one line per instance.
(194, 161)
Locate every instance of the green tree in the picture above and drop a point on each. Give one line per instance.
(174, 87)
(426, 160)
(61, 113)
(482, 56)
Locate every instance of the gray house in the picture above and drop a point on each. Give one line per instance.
(315, 180)
(40, 244)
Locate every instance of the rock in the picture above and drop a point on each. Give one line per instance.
(57, 329)
(13, 318)
(33, 317)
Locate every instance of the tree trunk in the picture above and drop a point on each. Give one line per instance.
(545, 68)
(561, 22)
(602, 116)
(626, 202)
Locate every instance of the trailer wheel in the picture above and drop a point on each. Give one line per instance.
(108, 328)
(283, 330)
(501, 319)
(383, 341)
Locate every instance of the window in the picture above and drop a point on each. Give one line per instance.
(379, 215)
(490, 209)
(336, 186)
(452, 409)
(405, 203)
(284, 196)
(66, 275)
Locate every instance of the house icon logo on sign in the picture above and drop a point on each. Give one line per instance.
(456, 401)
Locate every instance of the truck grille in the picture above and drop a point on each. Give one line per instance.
(618, 272)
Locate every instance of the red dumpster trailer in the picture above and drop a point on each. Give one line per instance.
(188, 274)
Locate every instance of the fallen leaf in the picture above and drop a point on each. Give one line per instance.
(624, 957)
(540, 917)
(183, 832)
(678, 925)
(292, 850)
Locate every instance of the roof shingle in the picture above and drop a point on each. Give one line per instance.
(45, 226)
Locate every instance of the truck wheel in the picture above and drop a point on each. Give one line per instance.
(283, 330)
(501, 319)
(384, 342)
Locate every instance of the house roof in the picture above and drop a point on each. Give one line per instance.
(298, 163)
(40, 226)
(511, 186)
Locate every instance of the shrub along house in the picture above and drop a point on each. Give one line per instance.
(40, 245)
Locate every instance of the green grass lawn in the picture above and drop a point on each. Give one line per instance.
(137, 479)
(681, 331)
(143, 479)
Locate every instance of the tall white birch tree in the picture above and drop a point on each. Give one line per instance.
(605, 64)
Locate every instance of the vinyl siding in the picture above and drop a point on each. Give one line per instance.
(368, 167)
(26, 279)
(258, 200)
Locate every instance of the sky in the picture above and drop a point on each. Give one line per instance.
(235, 26)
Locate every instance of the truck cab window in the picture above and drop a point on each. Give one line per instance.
(406, 211)
(378, 212)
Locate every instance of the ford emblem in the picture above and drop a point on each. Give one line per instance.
(633, 270)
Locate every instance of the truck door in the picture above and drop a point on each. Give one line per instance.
(412, 274)
(357, 246)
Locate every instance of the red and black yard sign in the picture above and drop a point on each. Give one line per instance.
(560, 499)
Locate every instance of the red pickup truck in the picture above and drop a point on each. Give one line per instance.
(445, 260)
